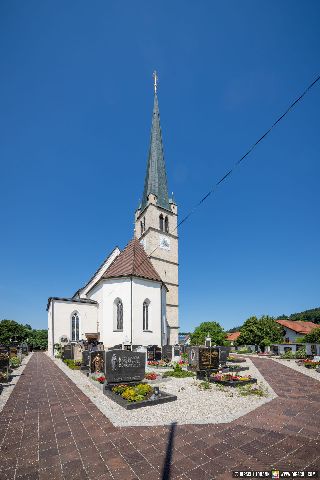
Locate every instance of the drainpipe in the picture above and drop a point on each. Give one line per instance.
(131, 313)
(161, 310)
(52, 327)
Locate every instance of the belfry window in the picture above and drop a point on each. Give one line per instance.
(146, 304)
(118, 315)
(75, 327)
(166, 225)
(161, 222)
(141, 226)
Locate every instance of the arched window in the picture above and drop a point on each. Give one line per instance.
(166, 225)
(161, 222)
(75, 327)
(141, 226)
(146, 305)
(118, 315)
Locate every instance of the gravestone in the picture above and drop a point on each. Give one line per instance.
(97, 361)
(24, 348)
(176, 351)
(67, 352)
(13, 351)
(77, 353)
(124, 366)
(167, 353)
(153, 353)
(223, 354)
(4, 360)
(203, 358)
(85, 363)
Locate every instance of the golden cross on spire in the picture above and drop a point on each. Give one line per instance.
(155, 84)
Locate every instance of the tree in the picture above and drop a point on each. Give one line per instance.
(313, 336)
(38, 339)
(11, 331)
(262, 332)
(211, 329)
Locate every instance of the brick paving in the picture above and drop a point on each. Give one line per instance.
(50, 430)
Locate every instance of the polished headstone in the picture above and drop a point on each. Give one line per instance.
(124, 366)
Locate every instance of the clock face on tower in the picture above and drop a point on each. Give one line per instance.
(164, 242)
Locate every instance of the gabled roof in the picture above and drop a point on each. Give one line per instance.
(156, 177)
(297, 326)
(233, 336)
(98, 273)
(72, 300)
(132, 261)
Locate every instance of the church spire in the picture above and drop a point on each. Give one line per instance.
(156, 177)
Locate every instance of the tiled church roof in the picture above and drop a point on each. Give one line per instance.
(156, 177)
(132, 261)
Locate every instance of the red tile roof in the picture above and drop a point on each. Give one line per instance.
(132, 261)
(233, 336)
(297, 326)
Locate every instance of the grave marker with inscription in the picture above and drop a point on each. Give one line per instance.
(124, 366)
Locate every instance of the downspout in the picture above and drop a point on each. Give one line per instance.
(131, 313)
(52, 327)
(161, 310)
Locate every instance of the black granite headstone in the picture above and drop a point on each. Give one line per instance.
(176, 351)
(223, 354)
(313, 349)
(167, 352)
(203, 358)
(85, 364)
(4, 360)
(67, 352)
(124, 366)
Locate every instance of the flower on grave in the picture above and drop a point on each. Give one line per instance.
(229, 377)
(101, 379)
(151, 376)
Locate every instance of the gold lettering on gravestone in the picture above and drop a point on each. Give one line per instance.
(208, 358)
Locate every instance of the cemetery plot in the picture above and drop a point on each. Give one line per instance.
(231, 380)
(125, 372)
(4, 367)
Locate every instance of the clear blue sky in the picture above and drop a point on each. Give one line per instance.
(75, 117)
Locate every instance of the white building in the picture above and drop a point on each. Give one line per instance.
(133, 297)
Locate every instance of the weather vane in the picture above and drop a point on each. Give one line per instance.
(155, 84)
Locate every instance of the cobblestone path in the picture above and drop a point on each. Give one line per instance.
(50, 430)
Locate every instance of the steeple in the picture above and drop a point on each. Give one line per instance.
(156, 177)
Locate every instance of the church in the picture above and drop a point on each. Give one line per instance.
(132, 298)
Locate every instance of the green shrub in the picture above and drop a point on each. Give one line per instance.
(301, 353)
(205, 385)
(72, 364)
(287, 355)
(14, 362)
(178, 374)
(257, 390)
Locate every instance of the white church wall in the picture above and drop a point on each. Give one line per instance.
(97, 294)
(113, 289)
(142, 290)
(120, 288)
(61, 313)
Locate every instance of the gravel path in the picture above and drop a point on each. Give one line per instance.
(8, 387)
(299, 368)
(218, 405)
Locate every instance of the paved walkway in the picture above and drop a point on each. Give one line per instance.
(50, 430)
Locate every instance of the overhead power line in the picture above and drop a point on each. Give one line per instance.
(238, 162)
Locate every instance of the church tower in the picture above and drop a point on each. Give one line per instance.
(156, 222)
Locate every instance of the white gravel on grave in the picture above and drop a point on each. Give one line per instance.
(8, 387)
(299, 368)
(192, 406)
